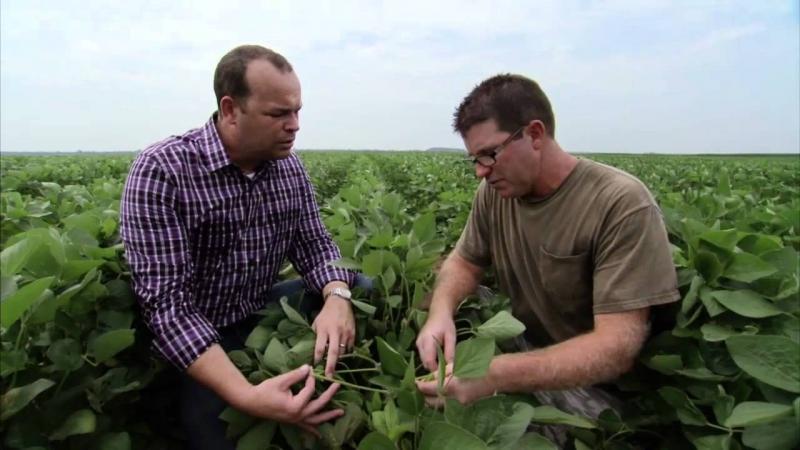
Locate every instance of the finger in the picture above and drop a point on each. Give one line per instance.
(304, 396)
(319, 346)
(428, 388)
(435, 402)
(333, 354)
(449, 346)
(286, 380)
(321, 401)
(427, 352)
(323, 417)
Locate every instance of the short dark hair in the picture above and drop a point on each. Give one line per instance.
(229, 76)
(511, 100)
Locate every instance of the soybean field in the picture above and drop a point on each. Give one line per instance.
(720, 371)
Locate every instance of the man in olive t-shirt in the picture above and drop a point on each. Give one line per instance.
(579, 247)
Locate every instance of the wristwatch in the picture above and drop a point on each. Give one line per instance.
(340, 292)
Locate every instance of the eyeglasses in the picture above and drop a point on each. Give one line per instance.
(489, 159)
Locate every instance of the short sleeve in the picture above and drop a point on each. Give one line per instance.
(633, 264)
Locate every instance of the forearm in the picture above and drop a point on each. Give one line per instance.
(457, 279)
(595, 357)
(215, 370)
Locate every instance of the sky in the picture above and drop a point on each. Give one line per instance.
(660, 76)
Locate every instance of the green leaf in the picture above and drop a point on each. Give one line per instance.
(756, 413)
(684, 408)
(374, 262)
(512, 429)
(748, 268)
(442, 435)
(746, 303)
(17, 398)
(535, 441)
(292, 313)
(713, 332)
(501, 327)
(712, 442)
(708, 265)
(275, 356)
(13, 307)
(723, 406)
(238, 422)
(552, 415)
(258, 338)
(14, 257)
(108, 344)
(65, 354)
(723, 239)
(364, 307)
(758, 244)
(666, 364)
(473, 357)
(425, 227)
(376, 441)
(258, 438)
(115, 441)
(347, 263)
(690, 299)
(82, 421)
(782, 434)
(392, 363)
(389, 278)
(713, 307)
(301, 353)
(775, 360)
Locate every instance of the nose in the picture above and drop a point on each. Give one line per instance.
(293, 122)
(482, 171)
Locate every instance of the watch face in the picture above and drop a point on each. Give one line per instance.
(345, 293)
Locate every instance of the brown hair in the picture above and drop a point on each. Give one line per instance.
(511, 100)
(229, 76)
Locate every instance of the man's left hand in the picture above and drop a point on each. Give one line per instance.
(335, 328)
(465, 390)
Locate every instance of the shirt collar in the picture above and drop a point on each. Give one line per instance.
(216, 156)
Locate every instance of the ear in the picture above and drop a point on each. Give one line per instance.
(227, 107)
(536, 129)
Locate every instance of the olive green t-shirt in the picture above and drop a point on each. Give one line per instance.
(596, 245)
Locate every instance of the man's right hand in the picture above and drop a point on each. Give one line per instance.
(439, 329)
(274, 399)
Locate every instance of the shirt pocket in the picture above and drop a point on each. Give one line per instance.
(565, 277)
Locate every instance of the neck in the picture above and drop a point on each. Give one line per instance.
(555, 166)
(229, 144)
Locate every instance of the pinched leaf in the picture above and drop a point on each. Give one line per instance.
(473, 357)
(501, 327)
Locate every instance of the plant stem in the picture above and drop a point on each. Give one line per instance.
(320, 376)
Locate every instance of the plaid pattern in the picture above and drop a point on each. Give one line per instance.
(205, 242)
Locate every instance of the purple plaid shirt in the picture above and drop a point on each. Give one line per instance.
(205, 242)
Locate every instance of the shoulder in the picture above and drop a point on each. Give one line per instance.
(173, 155)
(615, 187)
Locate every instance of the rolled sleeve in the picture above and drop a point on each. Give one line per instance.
(314, 250)
(156, 250)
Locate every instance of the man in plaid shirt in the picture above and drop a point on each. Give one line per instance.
(207, 218)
